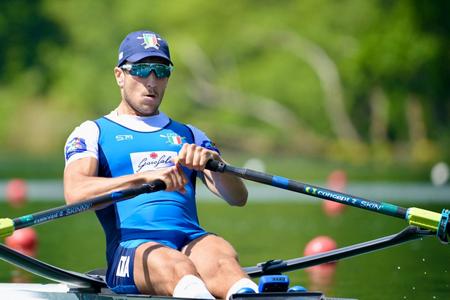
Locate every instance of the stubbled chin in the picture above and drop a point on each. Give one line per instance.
(147, 112)
(148, 108)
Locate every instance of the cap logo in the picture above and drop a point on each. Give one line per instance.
(150, 40)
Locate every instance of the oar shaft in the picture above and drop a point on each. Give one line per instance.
(32, 265)
(71, 209)
(307, 189)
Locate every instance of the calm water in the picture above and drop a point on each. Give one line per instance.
(278, 230)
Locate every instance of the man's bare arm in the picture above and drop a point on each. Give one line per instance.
(226, 186)
(81, 181)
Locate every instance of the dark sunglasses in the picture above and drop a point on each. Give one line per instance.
(143, 70)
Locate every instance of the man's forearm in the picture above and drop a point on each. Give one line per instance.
(85, 187)
(228, 187)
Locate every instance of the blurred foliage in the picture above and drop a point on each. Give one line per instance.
(355, 81)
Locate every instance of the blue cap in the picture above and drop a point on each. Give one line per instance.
(141, 44)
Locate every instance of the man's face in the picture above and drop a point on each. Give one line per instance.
(141, 96)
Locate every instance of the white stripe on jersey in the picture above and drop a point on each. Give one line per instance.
(89, 131)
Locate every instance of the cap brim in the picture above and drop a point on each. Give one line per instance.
(141, 55)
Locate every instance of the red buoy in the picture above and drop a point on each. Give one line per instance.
(337, 181)
(16, 192)
(321, 277)
(23, 240)
(320, 244)
(332, 208)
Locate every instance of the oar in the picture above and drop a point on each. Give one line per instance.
(8, 226)
(410, 233)
(40, 268)
(422, 218)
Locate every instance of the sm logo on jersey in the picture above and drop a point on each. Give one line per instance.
(124, 137)
(152, 160)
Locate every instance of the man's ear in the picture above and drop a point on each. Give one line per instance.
(120, 76)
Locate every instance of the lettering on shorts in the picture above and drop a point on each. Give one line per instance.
(123, 267)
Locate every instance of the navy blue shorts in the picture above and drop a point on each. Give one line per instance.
(120, 278)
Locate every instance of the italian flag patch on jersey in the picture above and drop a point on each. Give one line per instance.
(173, 138)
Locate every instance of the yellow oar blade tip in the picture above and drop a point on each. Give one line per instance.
(6, 227)
(423, 218)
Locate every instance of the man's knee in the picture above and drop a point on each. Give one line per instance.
(183, 267)
(176, 265)
(167, 262)
(229, 266)
(161, 269)
(227, 261)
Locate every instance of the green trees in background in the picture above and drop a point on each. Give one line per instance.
(355, 80)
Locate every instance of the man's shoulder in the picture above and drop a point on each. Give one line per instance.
(87, 129)
(88, 125)
(194, 129)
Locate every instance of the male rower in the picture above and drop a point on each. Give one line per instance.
(155, 244)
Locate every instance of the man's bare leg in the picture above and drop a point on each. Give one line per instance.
(217, 263)
(160, 270)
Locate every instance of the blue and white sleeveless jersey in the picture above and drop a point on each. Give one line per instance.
(126, 145)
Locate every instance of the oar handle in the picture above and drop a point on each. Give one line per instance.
(215, 166)
(7, 226)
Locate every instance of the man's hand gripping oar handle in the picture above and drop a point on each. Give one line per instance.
(7, 226)
(415, 216)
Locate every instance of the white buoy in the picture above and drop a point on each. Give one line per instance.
(439, 174)
(255, 164)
